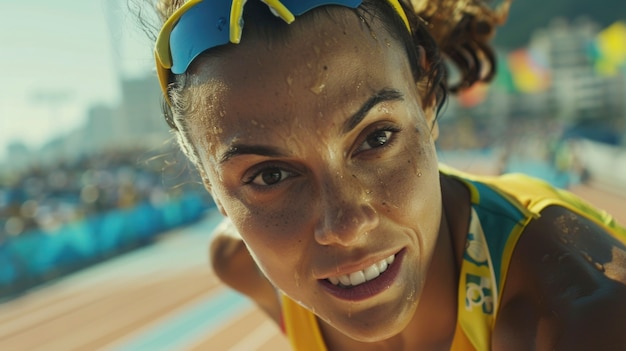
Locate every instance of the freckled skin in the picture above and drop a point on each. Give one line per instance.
(344, 197)
(341, 199)
(340, 204)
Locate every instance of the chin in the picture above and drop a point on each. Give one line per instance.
(374, 333)
(370, 329)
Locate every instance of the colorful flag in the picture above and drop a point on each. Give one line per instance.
(503, 79)
(609, 49)
(528, 73)
(473, 96)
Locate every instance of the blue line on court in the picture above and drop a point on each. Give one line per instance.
(190, 324)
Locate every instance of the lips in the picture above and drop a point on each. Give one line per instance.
(366, 283)
(365, 275)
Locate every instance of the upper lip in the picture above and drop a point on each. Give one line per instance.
(345, 266)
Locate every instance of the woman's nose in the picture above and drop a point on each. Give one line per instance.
(346, 213)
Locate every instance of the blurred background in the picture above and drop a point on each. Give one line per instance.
(104, 225)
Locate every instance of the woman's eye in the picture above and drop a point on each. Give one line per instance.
(376, 139)
(270, 176)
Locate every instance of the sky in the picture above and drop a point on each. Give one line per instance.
(60, 57)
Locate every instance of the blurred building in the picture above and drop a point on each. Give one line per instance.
(141, 119)
(18, 156)
(136, 122)
(102, 124)
(578, 91)
(557, 80)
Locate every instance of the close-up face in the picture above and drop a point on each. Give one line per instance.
(317, 147)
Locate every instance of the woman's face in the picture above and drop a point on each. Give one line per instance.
(316, 146)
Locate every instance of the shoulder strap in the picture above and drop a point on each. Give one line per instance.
(534, 195)
(301, 327)
(496, 225)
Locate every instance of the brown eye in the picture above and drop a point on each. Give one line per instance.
(270, 176)
(378, 138)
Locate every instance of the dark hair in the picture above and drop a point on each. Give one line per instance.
(416, 43)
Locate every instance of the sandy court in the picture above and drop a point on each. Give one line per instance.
(163, 297)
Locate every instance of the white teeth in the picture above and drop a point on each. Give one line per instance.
(371, 272)
(390, 259)
(357, 278)
(382, 266)
(361, 277)
(345, 280)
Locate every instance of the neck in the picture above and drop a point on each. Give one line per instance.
(456, 215)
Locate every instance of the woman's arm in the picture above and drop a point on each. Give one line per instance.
(233, 265)
(566, 287)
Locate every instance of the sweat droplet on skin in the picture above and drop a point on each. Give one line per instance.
(320, 82)
(373, 34)
(318, 88)
(296, 278)
(384, 109)
(599, 266)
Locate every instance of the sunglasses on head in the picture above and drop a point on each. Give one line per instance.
(200, 25)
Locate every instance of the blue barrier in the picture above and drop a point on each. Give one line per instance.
(36, 256)
(542, 170)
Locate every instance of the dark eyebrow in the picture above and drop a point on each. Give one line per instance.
(237, 150)
(380, 96)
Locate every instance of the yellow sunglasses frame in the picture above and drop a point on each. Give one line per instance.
(162, 53)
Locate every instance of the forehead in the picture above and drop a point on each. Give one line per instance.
(326, 64)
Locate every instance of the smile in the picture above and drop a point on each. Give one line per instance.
(362, 276)
(366, 283)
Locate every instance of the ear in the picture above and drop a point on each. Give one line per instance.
(206, 182)
(429, 104)
(218, 203)
(430, 114)
(434, 130)
(208, 187)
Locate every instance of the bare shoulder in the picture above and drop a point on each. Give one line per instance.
(233, 265)
(566, 287)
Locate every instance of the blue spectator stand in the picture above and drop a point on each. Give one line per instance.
(35, 257)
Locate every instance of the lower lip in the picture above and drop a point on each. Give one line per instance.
(367, 289)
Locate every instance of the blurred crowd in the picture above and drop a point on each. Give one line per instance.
(43, 198)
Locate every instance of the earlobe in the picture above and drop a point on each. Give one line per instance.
(429, 108)
(434, 130)
(207, 183)
(220, 207)
(431, 117)
(429, 101)
(208, 187)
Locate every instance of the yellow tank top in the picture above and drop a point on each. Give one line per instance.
(502, 207)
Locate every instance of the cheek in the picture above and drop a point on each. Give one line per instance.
(276, 238)
(412, 182)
